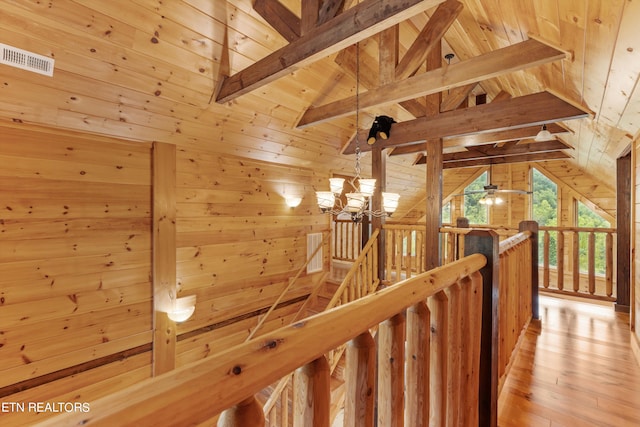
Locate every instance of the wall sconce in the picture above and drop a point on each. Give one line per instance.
(293, 201)
(182, 308)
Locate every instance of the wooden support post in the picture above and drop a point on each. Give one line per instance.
(378, 168)
(164, 256)
(532, 226)
(623, 224)
(360, 381)
(487, 244)
(391, 347)
(418, 353)
(312, 394)
(246, 413)
(433, 185)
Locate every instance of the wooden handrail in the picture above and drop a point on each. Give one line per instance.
(287, 288)
(198, 391)
(514, 241)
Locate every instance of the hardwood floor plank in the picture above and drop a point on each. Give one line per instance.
(577, 369)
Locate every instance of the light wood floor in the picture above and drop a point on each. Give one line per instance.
(576, 370)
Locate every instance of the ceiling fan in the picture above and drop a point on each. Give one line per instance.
(491, 193)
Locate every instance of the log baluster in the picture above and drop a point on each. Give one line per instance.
(592, 262)
(418, 354)
(312, 394)
(360, 381)
(576, 260)
(454, 361)
(438, 392)
(560, 255)
(609, 270)
(545, 273)
(391, 357)
(246, 413)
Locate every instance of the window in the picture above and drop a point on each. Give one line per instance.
(589, 219)
(474, 211)
(545, 212)
(446, 213)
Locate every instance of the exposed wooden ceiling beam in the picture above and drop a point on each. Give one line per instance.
(528, 132)
(521, 158)
(522, 111)
(456, 96)
(357, 23)
(516, 57)
(432, 33)
(451, 100)
(309, 12)
(489, 151)
(330, 8)
(512, 148)
(281, 19)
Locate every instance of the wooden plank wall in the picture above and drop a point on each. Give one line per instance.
(76, 256)
(238, 243)
(75, 264)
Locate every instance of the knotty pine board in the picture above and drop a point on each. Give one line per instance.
(82, 387)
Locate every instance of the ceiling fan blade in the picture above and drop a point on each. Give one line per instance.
(514, 191)
(469, 193)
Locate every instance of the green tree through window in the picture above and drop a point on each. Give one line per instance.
(590, 219)
(545, 212)
(475, 212)
(446, 213)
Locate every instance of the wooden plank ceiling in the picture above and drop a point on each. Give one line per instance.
(276, 81)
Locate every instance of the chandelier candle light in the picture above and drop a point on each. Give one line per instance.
(359, 200)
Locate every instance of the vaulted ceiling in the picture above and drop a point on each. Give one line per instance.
(277, 81)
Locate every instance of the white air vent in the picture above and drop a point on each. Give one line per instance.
(26, 60)
(313, 241)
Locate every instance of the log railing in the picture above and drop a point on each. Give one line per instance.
(576, 261)
(347, 239)
(440, 331)
(575, 247)
(510, 295)
(361, 280)
(404, 251)
(515, 301)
